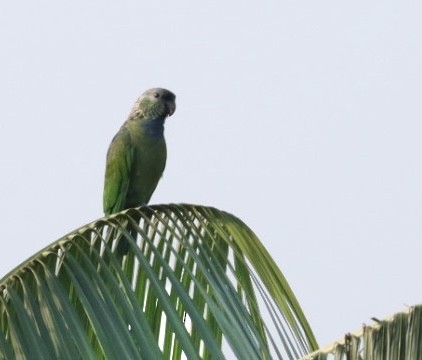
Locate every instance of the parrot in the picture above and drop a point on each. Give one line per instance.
(137, 155)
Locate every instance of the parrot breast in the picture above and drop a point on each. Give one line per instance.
(149, 160)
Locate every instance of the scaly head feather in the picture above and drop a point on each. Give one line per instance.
(156, 103)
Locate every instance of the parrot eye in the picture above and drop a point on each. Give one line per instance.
(156, 95)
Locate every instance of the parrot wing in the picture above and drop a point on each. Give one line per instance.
(117, 176)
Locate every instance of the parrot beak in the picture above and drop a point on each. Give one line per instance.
(171, 108)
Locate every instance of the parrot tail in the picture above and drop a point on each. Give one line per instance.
(123, 245)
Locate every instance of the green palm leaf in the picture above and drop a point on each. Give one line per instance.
(196, 284)
(398, 337)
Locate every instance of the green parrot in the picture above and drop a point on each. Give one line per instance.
(137, 154)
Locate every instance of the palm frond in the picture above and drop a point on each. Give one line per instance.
(398, 337)
(196, 284)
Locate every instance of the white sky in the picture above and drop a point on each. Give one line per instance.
(303, 118)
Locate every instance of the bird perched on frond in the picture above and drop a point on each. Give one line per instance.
(137, 154)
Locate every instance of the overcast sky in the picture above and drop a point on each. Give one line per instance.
(303, 118)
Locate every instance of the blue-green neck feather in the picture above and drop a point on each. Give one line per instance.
(154, 127)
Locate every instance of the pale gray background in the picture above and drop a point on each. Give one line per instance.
(303, 118)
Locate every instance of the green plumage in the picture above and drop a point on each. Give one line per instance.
(137, 154)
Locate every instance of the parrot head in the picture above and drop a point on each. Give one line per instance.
(157, 103)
